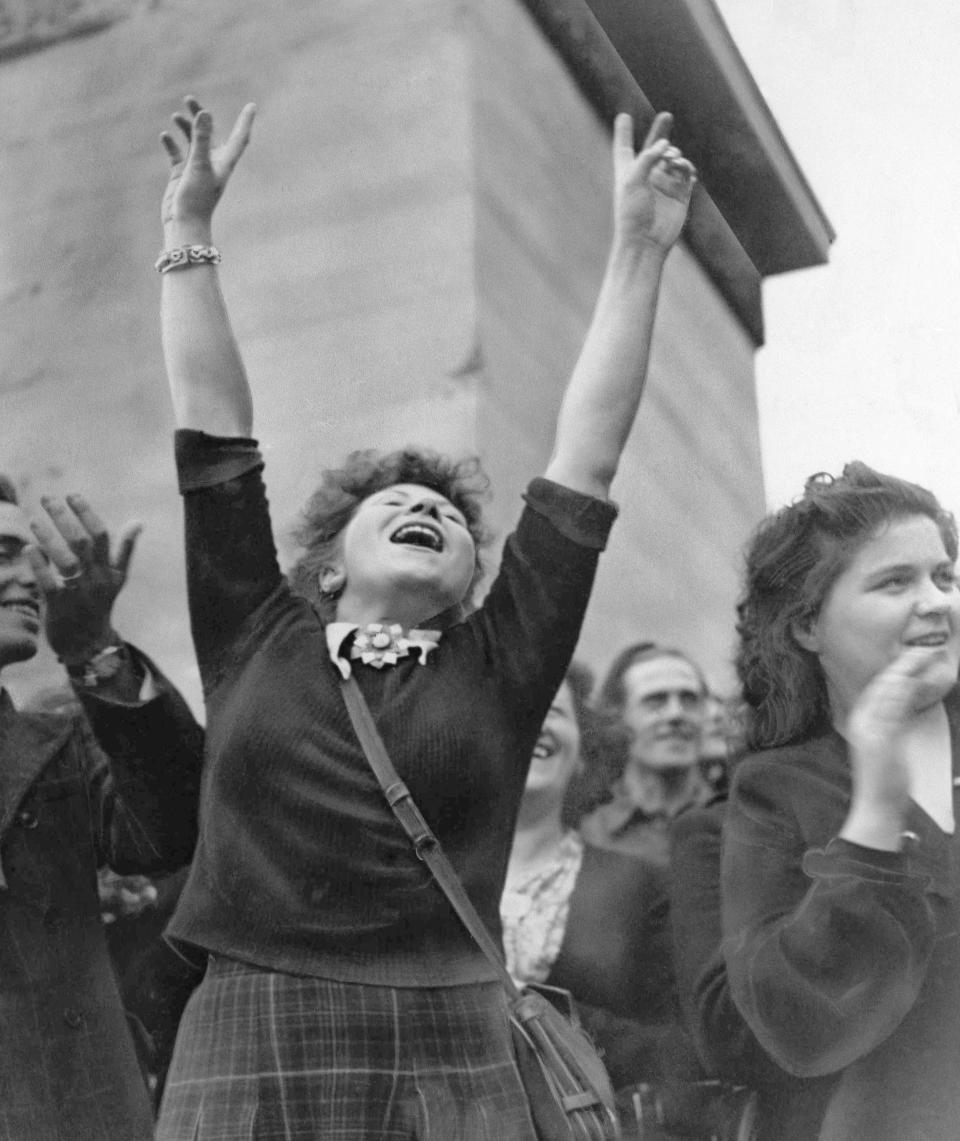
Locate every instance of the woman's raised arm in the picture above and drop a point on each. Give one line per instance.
(651, 193)
(208, 382)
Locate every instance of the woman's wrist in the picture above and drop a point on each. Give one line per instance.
(630, 251)
(83, 650)
(632, 266)
(875, 825)
(181, 232)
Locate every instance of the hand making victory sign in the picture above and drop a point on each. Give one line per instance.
(651, 189)
(651, 192)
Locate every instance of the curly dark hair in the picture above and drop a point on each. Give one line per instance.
(604, 747)
(341, 490)
(8, 491)
(792, 561)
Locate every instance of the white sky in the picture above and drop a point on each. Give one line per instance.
(862, 354)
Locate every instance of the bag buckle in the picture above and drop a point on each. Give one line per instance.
(423, 844)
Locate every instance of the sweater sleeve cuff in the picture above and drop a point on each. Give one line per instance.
(206, 461)
(583, 519)
(844, 858)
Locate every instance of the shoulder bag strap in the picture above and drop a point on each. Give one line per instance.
(425, 843)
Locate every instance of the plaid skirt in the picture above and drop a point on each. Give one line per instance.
(262, 1056)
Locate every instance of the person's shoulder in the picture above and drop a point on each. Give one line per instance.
(49, 713)
(51, 739)
(791, 789)
(611, 867)
(812, 758)
(698, 819)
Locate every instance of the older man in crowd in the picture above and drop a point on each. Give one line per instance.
(660, 695)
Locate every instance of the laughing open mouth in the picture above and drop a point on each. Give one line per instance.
(418, 535)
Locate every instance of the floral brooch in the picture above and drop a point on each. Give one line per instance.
(379, 645)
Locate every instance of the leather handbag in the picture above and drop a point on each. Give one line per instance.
(567, 1086)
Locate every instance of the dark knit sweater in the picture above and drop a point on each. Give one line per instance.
(301, 866)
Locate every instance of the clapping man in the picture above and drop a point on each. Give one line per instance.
(115, 786)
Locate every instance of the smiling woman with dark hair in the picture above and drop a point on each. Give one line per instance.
(343, 997)
(592, 922)
(841, 897)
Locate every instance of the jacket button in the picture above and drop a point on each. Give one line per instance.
(27, 819)
(910, 839)
(73, 1018)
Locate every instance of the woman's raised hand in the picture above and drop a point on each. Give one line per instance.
(198, 178)
(651, 189)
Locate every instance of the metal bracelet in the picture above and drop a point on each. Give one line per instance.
(100, 667)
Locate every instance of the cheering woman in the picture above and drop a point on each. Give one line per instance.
(342, 997)
(841, 897)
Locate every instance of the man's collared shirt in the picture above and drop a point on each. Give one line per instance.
(640, 829)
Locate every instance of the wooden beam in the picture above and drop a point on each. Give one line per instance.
(593, 61)
(683, 56)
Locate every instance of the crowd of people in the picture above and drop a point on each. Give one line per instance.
(221, 933)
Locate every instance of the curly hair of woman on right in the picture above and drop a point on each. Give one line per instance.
(792, 561)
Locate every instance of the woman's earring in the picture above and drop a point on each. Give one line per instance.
(329, 582)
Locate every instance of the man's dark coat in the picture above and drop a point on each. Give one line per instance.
(68, 1071)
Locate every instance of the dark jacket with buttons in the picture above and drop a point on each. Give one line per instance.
(68, 1071)
(845, 961)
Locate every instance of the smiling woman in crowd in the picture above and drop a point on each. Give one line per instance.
(343, 998)
(841, 908)
(590, 921)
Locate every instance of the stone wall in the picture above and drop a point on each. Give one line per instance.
(411, 250)
(690, 484)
